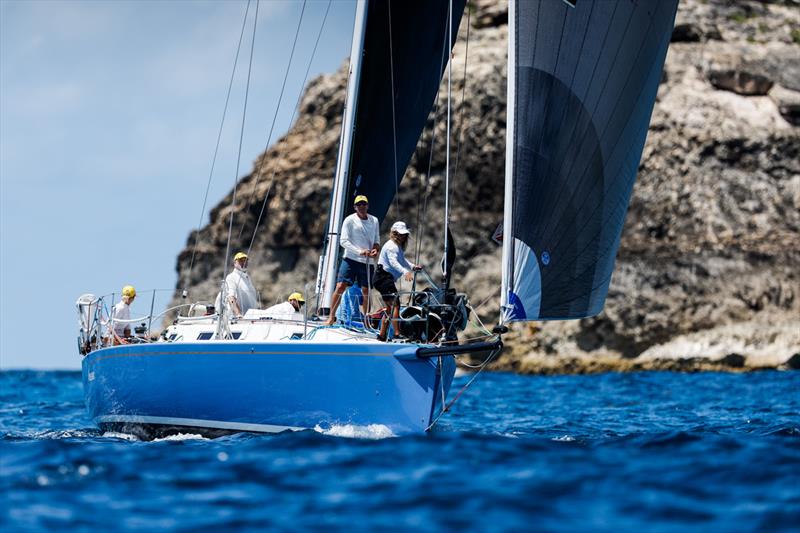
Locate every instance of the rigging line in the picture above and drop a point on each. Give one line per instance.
(425, 187)
(291, 120)
(241, 137)
(257, 171)
(394, 122)
(446, 409)
(219, 138)
(463, 95)
(445, 265)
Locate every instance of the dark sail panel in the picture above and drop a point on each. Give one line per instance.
(415, 61)
(585, 80)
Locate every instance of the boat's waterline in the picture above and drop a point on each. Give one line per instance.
(190, 423)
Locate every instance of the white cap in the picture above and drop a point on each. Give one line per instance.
(401, 228)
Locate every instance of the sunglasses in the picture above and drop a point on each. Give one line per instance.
(359, 204)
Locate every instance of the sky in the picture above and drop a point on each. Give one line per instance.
(109, 115)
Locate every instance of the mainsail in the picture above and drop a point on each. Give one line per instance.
(583, 78)
(404, 56)
(400, 50)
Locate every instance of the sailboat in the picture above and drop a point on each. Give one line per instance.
(583, 78)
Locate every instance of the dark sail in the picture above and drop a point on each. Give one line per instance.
(583, 83)
(415, 62)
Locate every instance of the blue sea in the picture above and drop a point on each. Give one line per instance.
(612, 452)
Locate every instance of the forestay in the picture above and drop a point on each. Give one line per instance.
(582, 83)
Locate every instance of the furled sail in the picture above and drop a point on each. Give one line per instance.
(404, 56)
(583, 77)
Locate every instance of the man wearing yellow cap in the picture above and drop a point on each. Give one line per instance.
(240, 293)
(121, 313)
(360, 239)
(288, 309)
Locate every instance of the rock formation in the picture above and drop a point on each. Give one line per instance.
(707, 274)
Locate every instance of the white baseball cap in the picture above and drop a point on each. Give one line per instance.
(401, 228)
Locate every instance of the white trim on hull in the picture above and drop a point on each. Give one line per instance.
(195, 422)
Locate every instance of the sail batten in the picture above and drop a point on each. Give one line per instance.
(584, 84)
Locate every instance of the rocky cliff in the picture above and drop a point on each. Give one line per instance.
(707, 273)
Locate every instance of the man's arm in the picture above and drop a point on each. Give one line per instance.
(376, 238)
(234, 304)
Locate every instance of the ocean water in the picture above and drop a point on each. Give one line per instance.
(613, 452)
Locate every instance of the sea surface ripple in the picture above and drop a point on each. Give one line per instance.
(612, 452)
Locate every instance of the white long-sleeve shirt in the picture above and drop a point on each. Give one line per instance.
(393, 260)
(283, 310)
(358, 234)
(239, 286)
(121, 311)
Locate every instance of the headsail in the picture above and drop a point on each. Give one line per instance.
(583, 77)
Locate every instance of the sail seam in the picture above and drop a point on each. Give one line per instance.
(619, 136)
(574, 133)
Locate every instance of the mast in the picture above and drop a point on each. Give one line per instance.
(327, 274)
(508, 236)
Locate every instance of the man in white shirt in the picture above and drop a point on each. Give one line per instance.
(121, 313)
(360, 239)
(288, 309)
(240, 295)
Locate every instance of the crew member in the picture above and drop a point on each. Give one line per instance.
(360, 239)
(392, 264)
(288, 309)
(121, 313)
(240, 295)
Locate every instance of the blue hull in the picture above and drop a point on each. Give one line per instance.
(267, 387)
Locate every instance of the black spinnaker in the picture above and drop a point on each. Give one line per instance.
(583, 81)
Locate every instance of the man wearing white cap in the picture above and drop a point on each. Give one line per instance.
(361, 242)
(392, 264)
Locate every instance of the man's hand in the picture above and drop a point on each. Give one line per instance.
(408, 276)
(373, 252)
(417, 268)
(365, 252)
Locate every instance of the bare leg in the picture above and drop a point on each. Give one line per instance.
(395, 316)
(337, 298)
(385, 320)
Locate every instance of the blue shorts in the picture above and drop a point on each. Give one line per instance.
(353, 272)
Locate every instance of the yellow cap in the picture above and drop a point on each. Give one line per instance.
(128, 290)
(360, 198)
(296, 296)
(240, 255)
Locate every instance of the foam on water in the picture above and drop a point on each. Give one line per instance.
(371, 431)
(121, 436)
(181, 437)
